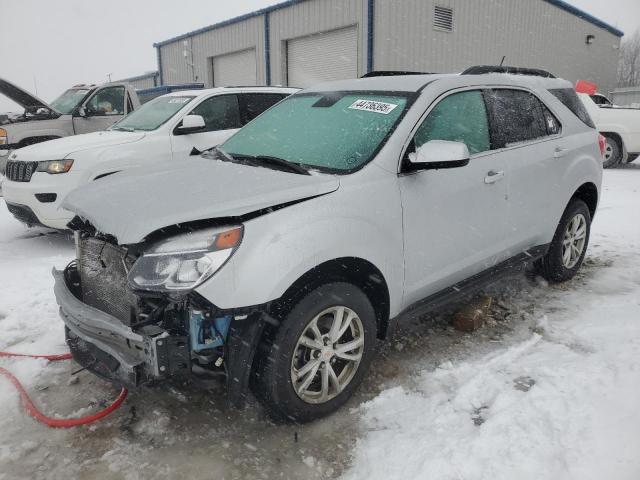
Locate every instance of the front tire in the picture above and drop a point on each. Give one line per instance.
(612, 152)
(319, 355)
(569, 245)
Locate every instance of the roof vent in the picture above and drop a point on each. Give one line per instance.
(443, 19)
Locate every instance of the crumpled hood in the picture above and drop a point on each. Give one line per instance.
(20, 96)
(64, 147)
(132, 204)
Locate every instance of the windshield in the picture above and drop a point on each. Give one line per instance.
(69, 100)
(335, 131)
(153, 114)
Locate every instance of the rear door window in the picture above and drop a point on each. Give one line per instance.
(253, 104)
(519, 116)
(219, 113)
(460, 117)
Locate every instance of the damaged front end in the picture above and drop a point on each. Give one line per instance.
(132, 317)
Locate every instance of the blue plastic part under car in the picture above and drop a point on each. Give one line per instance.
(209, 332)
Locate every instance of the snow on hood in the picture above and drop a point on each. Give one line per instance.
(21, 97)
(132, 204)
(63, 147)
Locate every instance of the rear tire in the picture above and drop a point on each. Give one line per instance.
(569, 245)
(308, 369)
(612, 152)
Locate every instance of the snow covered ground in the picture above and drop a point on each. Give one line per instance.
(548, 390)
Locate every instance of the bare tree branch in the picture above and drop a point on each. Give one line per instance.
(629, 66)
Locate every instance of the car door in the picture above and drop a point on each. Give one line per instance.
(105, 107)
(454, 219)
(528, 137)
(221, 114)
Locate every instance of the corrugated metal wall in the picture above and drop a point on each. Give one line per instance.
(231, 38)
(530, 33)
(142, 81)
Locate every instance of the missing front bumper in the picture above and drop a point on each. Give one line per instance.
(104, 345)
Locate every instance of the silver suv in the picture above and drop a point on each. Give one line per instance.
(283, 255)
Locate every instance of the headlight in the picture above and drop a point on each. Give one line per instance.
(55, 166)
(185, 261)
(4, 140)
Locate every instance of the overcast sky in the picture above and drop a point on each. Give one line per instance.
(48, 46)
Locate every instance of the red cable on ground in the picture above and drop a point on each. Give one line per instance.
(56, 422)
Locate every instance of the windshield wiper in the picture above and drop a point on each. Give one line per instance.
(215, 153)
(274, 161)
(123, 129)
(255, 160)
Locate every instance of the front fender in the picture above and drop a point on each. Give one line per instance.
(278, 248)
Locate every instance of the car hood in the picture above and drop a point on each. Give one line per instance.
(132, 204)
(22, 97)
(64, 147)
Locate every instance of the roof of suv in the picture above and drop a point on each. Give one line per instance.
(415, 83)
(209, 91)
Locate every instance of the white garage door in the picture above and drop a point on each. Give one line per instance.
(323, 57)
(238, 68)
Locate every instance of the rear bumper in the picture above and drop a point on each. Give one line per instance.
(110, 349)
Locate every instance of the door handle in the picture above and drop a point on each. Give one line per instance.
(559, 152)
(493, 176)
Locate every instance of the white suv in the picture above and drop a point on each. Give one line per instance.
(168, 128)
(282, 255)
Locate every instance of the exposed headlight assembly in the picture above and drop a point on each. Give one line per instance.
(185, 261)
(55, 166)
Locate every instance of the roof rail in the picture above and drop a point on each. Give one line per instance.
(391, 73)
(484, 69)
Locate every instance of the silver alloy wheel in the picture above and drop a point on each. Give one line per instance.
(608, 151)
(575, 237)
(327, 354)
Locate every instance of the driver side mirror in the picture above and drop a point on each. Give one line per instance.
(81, 112)
(437, 154)
(190, 124)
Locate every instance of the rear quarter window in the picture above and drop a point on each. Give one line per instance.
(570, 99)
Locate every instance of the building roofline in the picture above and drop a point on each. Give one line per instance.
(140, 77)
(567, 7)
(231, 21)
(278, 6)
(626, 90)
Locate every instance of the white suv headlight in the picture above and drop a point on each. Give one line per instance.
(4, 140)
(55, 166)
(185, 261)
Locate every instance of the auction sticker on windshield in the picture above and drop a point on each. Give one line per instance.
(180, 100)
(373, 106)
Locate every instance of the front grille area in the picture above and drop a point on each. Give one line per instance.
(103, 271)
(20, 171)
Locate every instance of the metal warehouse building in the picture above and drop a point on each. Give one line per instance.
(146, 80)
(302, 42)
